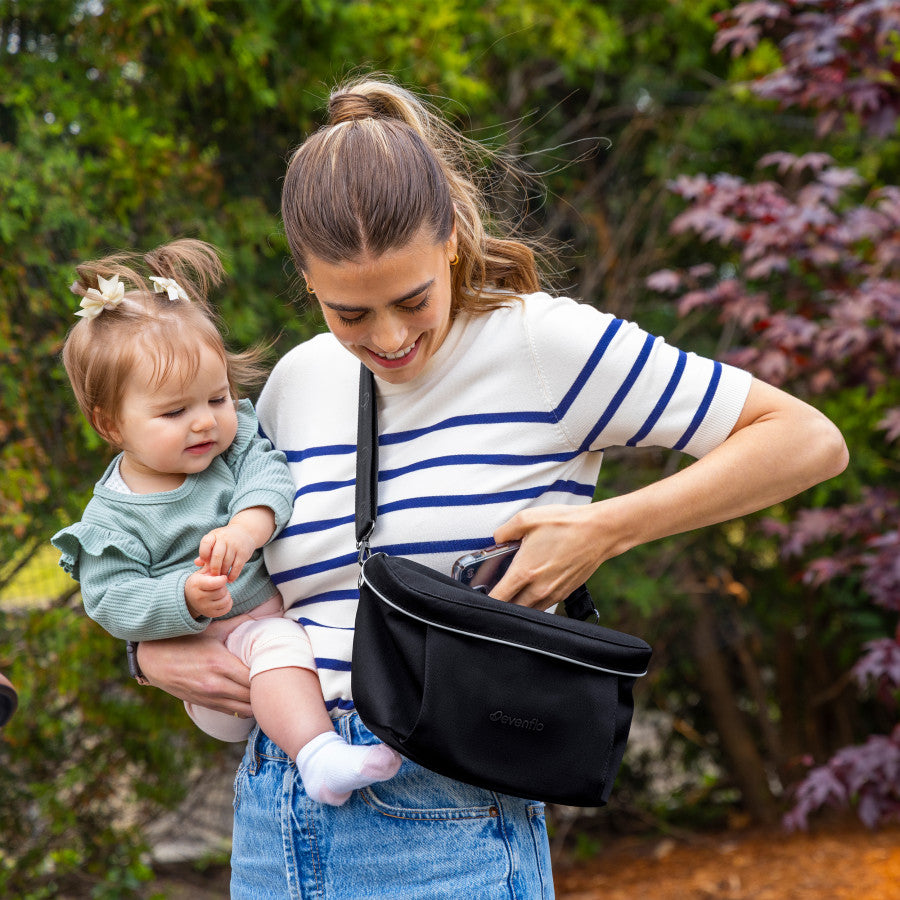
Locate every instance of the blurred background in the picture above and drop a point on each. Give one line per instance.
(727, 175)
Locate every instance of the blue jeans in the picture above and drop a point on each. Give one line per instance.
(419, 836)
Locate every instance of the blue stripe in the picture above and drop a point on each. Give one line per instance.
(340, 703)
(325, 450)
(307, 622)
(445, 500)
(703, 408)
(622, 392)
(423, 548)
(326, 597)
(320, 486)
(588, 369)
(464, 459)
(498, 418)
(662, 403)
(324, 565)
(335, 665)
(315, 525)
(338, 562)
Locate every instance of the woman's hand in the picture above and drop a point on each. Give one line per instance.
(561, 548)
(200, 669)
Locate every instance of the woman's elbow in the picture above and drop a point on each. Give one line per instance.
(832, 455)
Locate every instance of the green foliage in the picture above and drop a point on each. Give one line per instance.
(84, 760)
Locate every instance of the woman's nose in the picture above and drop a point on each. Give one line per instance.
(389, 335)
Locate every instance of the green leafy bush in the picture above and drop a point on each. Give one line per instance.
(85, 760)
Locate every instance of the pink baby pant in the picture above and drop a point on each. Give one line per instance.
(267, 641)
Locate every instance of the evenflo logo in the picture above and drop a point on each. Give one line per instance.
(517, 722)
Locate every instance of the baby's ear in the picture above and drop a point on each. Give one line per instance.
(105, 427)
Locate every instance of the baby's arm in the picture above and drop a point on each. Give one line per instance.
(223, 551)
(121, 596)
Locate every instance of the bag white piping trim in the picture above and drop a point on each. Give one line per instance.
(483, 637)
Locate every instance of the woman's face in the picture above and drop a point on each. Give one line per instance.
(392, 311)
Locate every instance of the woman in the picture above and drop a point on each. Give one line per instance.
(495, 402)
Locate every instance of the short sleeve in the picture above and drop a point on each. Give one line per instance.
(614, 384)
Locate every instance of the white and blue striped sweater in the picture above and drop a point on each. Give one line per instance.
(513, 411)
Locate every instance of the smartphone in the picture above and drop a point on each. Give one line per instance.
(482, 569)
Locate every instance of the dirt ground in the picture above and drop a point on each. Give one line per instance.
(838, 862)
(835, 862)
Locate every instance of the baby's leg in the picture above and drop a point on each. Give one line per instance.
(223, 726)
(286, 698)
(288, 705)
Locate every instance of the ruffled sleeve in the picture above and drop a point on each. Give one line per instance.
(84, 537)
(247, 430)
(119, 591)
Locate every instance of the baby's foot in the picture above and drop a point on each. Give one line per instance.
(332, 769)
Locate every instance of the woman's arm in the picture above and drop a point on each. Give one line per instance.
(779, 447)
(199, 669)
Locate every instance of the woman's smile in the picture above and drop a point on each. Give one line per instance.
(396, 360)
(399, 355)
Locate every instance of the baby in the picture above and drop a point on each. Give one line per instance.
(171, 538)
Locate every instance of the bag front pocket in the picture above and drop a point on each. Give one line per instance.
(506, 712)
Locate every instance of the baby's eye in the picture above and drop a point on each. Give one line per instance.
(218, 401)
(173, 414)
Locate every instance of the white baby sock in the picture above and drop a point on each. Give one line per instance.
(332, 769)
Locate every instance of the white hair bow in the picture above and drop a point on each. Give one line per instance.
(170, 286)
(94, 301)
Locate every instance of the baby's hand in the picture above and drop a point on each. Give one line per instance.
(207, 594)
(225, 550)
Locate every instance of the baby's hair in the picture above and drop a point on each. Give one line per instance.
(100, 353)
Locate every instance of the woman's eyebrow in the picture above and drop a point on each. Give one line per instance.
(341, 307)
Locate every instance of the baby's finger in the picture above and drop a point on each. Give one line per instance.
(221, 605)
(212, 584)
(236, 569)
(228, 558)
(217, 558)
(206, 546)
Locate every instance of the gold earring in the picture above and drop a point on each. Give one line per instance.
(309, 290)
(454, 259)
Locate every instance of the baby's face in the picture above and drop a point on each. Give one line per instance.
(173, 427)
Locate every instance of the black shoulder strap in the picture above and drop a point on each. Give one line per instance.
(579, 604)
(366, 461)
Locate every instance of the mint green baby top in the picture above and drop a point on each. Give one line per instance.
(132, 553)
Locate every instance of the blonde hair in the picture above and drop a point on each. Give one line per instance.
(100, 354)
(384, 167)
